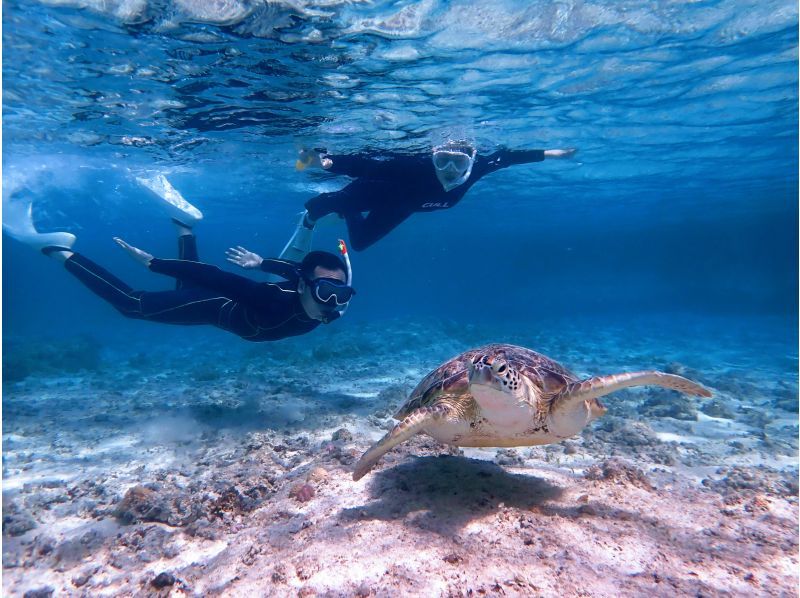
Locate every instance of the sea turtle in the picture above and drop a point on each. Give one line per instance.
(504, 395)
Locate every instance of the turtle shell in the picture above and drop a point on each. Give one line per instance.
(451, 377)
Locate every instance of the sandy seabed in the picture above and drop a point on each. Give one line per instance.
(144, 476)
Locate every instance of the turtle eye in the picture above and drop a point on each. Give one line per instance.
(499, 367)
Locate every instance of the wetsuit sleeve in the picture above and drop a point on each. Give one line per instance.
(285, 268)
(504, 157)
(228, 284)
(382, 166)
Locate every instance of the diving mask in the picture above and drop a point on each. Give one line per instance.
(330, 292)
(453, 166)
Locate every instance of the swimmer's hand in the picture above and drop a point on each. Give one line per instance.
(308, 158)
(142, 257)
(241, 257)
(560, 153)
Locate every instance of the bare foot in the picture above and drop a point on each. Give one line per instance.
(137, 255)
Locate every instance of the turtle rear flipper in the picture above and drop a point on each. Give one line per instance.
(413, 423)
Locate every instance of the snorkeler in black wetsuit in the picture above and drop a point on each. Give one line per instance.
(315, 290)
(255, 311)
(391, 187)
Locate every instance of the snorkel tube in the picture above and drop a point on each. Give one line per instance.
(343, 251)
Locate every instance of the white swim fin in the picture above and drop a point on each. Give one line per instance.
(172, 201)
(300, 243)
(18, 223)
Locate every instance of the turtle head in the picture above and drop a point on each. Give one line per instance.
(492, 378)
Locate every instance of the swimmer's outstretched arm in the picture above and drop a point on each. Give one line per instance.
(248, 259)
(387, 165)
(506, 157)
(232, 285)
(238, 288)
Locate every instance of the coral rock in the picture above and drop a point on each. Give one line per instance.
(163, 579)
(302, 492)
(318, 474)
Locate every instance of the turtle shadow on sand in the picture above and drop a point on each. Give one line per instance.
(442, 494)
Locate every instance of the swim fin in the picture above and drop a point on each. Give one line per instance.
(18, 223)
(173, 202)
(300, 243)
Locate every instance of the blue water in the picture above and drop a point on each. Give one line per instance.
(682, 196)
(676, 221)
(680, 205)
(669, 241)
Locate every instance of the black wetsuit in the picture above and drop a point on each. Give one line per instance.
(204, 294)
(392, 187)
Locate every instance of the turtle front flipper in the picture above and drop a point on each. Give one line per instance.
(413, 423)
(577, 404)
(597, 386)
